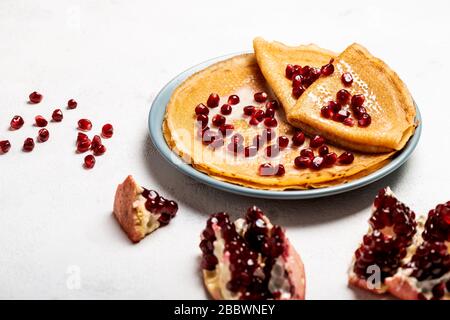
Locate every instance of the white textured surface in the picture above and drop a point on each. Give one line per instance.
(113, 57)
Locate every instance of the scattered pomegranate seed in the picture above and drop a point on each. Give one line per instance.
(364, 120)
(349, 122)
(249, 110)
(346, 158)
(302, 162)
(260, 96)
(334, 106)
(250, 151)
(330, 159)
(84, 124)
(270, 122)
(218, 120)
(254, 121)
(266, 169)
(359, 111)
(316, 141)
(347, 79)
(270, 113)
(259, 115)
(107, 131)
(83, 146)
(280, 171)
(43, 135)
(283, 141)
(272, 104)
(89, 161)
(202, 119)
(96, 141)
(35, 97)
(17, 122)
(289, 71)
(72, 104)
(297, 80)
(343, 97)
(226, 129)
(233, 99)
(201, 109)
(327, 69)
(40, 121)
(317, 163)
(57, 115)
(272, 151)
(213, 100)
(358, 100)
(326, 112)
(226, 109)
(341, 115)
(307, 152)
(5, 146)
(82, 137)
(323, 150)
(100, 150)
(298, 138)
(298, 91)
(28, 145)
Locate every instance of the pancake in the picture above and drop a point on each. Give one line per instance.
(241, 75)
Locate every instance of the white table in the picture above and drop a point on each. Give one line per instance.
(113, 58)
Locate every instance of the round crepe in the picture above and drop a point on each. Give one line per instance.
(241, 75)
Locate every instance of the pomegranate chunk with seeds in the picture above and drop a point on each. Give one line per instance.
(250, 259)
(141, 211)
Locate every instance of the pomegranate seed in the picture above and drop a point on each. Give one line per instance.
(270, 122)
(299, 70)
(327, 69)
(283, 141)
(317, 163)
(326, 112)
(40, 121)
(334, 106)
(272, 150)
(341, 115)
(89, 161)
(298, 91)
(297, 81)
(359, 111)
(17, 122)
(201, 109)
(346, 158)
(226, 129)
(307, 152)
(305, 71)
(107, 131)
(270, 113)
(5, 146)
(266, 169)
(347, 79)
(83, 146)
(268, 134)
(316, 141)
(250, 151)
(329, 159)
(84, 124)
(358, 100)
(259, 115)
(249, 110)
(72, 104)
(226, 109)
(343, 97)
(254, 122)
(280, 171)
(202, 120)
(82, 137)
(349, 122)
(272, 104)
(233, 99)
(35, 97)
(43, 135)
(323, 150)
(364, 120)
(28, 145)
(96, 141)
(213, 100)
(289, 71)
(218, 120)
(314, 74)
(302, 162)
(298, 138)
(57, 116)
(99, 150)
(260, 97)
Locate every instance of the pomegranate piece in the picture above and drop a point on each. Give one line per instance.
(316, 141)
(343, 97)
(364, 120)
(249, 110)
(141, 211)
(72, 104)
(107, 131)
(5, 146)
(201, 109)
(43, 135)
(437, 227)
(28, 145)
(83, 146)
(213, 100)
(84, 125)
(202, 120)
(233, 99)
(35, 97)
(57, 115)
(257, 257)
(226, 129)
(270, 122)
(218, 120)
(16, 122)
(298, 138)
(226, 109)
(40, 121)
(346, 158)
(89, 161)
(283, 142)
(347, 79)
(260, 97)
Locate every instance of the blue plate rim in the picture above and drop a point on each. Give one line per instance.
(156, 118)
